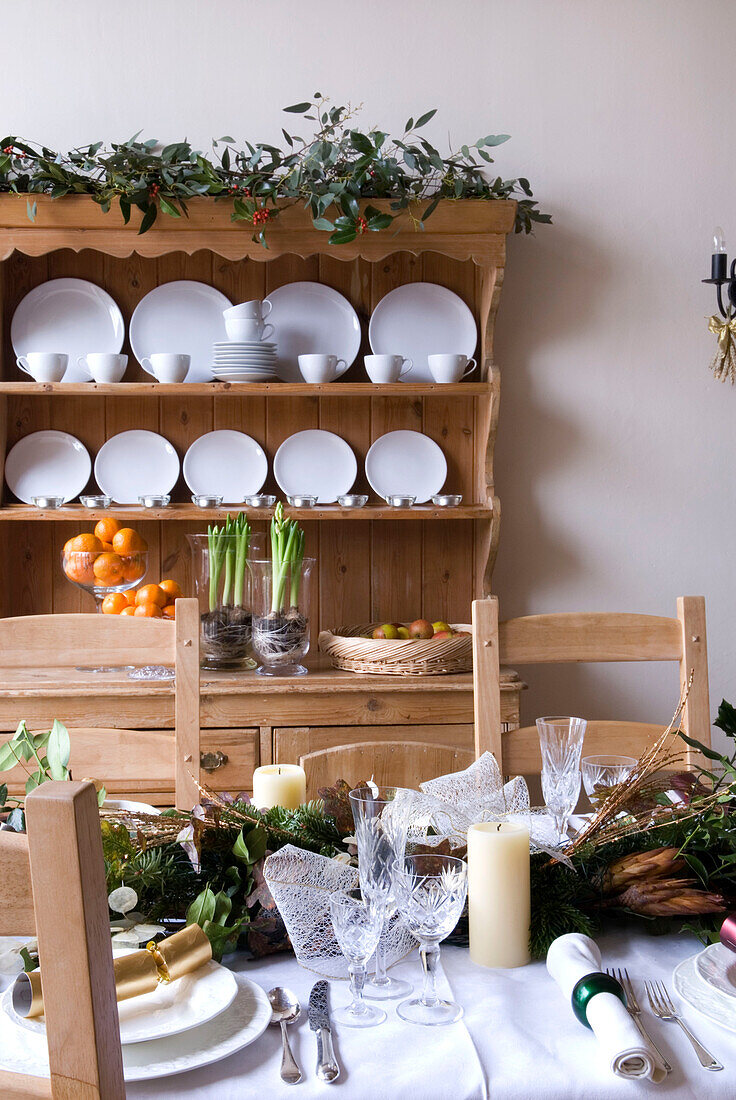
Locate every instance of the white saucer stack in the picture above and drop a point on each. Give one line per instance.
(254, 361)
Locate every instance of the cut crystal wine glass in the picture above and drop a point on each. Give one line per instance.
(561, 742)
(381, 816)
(357, 923)
(430, 892)
(601, 772)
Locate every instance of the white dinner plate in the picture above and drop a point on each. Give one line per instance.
(227, 464)
(183, 317)
(236, 360)
(716, 1006)
(239, 1025)
(406, 463)
(135, 464)
(172, 1007)
(315, 463)
(716, 965)
(420, 319)
(48, 463)
(72, 316)
(312, 318)
(249, 378)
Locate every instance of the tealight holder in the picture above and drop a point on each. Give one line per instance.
(47, 502)
(266, 500)
(204, 501)
(353, 500)
(397, 501)
(154, 501)
(302, 502)
(447, 500)
(96, 501)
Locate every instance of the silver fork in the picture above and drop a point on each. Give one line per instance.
(635, 1011)
(663, 1007)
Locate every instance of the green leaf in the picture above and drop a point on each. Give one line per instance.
(726, 718)
(227, 138)
(256, 840)
(298, 108)
(168, 207)
(362, 143)
(240, 848)
(343, 236)
(430, 209)
(323, 223)
(10, 755)
(29, 963)
(708, 753)
(16, 821)
(221, 937)
(33, 781)
(223, 908)
(424, 119)
(409, 125)
(31, 208)
(101, 795)
(202, 908)
(58, 750)
(496, 139)
(148, 218)
(3, 794)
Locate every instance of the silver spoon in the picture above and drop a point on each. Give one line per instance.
(285, 1009)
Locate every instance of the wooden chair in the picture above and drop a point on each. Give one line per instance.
(585, 637)
(57, 868)
(389, 763)
(119, 757)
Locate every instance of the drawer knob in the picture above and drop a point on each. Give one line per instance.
(211, 761)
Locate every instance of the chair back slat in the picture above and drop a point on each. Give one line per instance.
(571, 636)
(18, 1086)
(64, 641)
(389, 763)
(521, 753)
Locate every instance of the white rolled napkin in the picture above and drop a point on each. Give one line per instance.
(571, 958)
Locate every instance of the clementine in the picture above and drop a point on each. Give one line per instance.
(107, 547)
(169, 612)
(87, 542)
(129, 610)
(79, 567)
(148, 610)
(133, 567)
(128, 541)
(151, 593)
(108, 569)
(114, 603)
(130, 594)
(106, 528)
(172, 589)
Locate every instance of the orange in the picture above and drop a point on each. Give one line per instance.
(148, 610)
(78, 567)
(151, 593)
(114, 603)
(106, 528)
(127, 541)
(107, 547)
(172, 589)
(68, 546)
(129, 610)
(169, 612)
(86, 542)
(130, 594)
(133, 567)
(108, 569)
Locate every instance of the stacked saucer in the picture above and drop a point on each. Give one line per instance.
(251, 361)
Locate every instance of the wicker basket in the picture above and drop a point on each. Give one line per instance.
(349, 649)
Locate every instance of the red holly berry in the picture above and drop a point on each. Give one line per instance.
(260, 216)
(8, 149)
(361, 224)
(154, 190)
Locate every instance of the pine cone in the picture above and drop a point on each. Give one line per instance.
(640, 865)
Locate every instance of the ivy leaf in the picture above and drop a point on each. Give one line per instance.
(202, 908)
(58, 750)
(424, 119)
(298, 108)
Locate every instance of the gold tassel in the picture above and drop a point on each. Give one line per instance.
(724, 360)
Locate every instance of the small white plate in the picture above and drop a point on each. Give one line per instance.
(47, 463)
(716, 965)
(312, 318)
(716, 1006)
(226, 464)
(420, 319)
(240, 345)
(406, 463)
(239, 1025)
(134, 464)
(183, 317)
(315, 463)
(72, 316)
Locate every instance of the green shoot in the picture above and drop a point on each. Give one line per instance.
(228, 548)
(287, 553)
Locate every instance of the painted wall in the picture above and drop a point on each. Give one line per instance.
(616, 453)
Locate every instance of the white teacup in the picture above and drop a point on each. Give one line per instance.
(387, 368)
(167, 366)
(44, 366)
(450, 368)
(244, 330)
(256, 310)
(103, 366)
(321, 368)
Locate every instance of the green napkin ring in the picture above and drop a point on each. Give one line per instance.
(587, 987)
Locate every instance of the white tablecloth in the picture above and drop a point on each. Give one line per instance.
(518, 1039)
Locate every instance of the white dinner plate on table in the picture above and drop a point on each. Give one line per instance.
(716, 965)
(135, 464)
(695, 991)
(310, 318)
(315, 463)
(72, 316)
(238, 1026)
(406, 463)
(183, 317)
(420, 319)
(170, 1009)
(47, 463)
(227, 464)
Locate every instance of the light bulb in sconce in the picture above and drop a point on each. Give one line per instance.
(719, 259)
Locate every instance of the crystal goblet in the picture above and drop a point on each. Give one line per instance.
(430, 892)
(561, 742)
(357, 923)
(601, 772)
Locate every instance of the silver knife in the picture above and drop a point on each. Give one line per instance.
(319, 1021)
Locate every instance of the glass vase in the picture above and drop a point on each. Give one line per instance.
(224, 590)
(281, 617)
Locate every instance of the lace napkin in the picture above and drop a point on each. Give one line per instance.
(571, 958)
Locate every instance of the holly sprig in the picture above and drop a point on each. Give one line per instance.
(331, 172)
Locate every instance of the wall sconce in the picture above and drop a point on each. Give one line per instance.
(719, 276)
(723, 364)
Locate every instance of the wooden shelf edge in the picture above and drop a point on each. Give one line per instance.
(26, 512)
(274, 389)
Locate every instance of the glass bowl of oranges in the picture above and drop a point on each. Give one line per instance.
(111, 559)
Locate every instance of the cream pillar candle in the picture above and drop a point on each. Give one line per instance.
(499, 900)
(279, 785)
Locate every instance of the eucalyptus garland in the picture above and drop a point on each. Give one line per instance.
(331, 172)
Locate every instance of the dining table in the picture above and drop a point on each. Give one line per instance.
(517, 1039)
